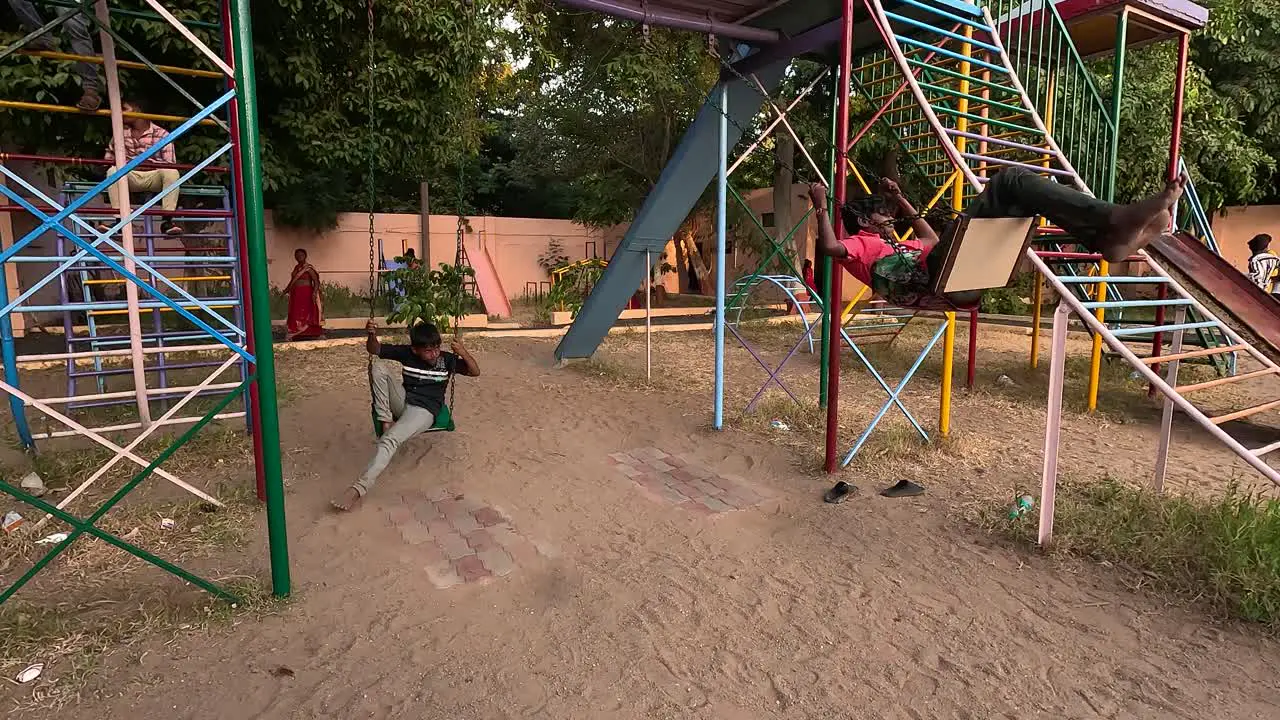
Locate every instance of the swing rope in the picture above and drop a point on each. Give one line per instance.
(444, 418)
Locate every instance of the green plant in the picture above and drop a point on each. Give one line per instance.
(553, 257)
(434, 296)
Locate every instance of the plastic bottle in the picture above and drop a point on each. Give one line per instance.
(1024, 505)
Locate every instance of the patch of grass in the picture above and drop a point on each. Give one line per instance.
(1224, 553)
(73, 640)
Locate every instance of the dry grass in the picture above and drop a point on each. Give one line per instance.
(95, 599)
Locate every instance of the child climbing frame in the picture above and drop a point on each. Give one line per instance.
(230, 104)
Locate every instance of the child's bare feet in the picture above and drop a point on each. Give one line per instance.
(1135, 225)
(347, 501)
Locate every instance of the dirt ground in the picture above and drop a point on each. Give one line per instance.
(632, 607)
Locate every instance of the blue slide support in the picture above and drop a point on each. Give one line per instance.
(683, 181)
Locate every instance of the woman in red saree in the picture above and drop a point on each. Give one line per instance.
(306, 314)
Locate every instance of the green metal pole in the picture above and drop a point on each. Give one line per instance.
(251, 172)
(825, 267)
(1117, 92)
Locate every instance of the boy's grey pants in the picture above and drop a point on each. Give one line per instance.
(387, 383)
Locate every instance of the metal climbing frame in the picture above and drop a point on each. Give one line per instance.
(1039, 151)
(215, 337)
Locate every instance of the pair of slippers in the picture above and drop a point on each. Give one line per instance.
(842, 491)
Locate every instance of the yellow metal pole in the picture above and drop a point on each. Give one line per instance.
(957, 204)
(1037, 299)
(1095, 359)
(948, 360)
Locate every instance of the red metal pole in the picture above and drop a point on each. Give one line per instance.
(973, 347)
(1175, 149)
(842, 178)
(255, 420)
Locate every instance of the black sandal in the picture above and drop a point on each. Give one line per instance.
(839, 492)
(903, 488)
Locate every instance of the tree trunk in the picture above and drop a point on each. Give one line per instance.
(689, 236)
(784, 156)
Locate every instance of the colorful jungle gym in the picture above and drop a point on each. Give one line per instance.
(965, 89)
(146, 313)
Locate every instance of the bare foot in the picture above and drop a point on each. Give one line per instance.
(347, 501)
(1135, 225)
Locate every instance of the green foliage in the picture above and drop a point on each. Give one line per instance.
(1225, 552)
(603, 109)
(434, 296)
(554, 256)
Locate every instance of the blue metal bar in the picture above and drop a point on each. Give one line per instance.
(1136, 303)
(111, 179)
(947, 53)
(10, 356)
(1147, 330)
(977, 24)
(171, 261)
(945, 33)
(1068, 279)
(103, 237)
(722, 200)
(893, 398)
(879, 379)
(118, 268)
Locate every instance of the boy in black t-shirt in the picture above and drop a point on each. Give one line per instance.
(406, 403)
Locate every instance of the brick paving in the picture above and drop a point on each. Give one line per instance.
(459, 539)
(684, 482)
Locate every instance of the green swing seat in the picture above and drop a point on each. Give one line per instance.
(443, 423)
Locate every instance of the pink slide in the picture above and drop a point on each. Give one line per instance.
(492, 293)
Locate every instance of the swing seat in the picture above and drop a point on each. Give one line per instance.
(983, 254)
(443, 423)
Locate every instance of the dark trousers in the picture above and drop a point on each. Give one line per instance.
(1018, 192)
(77, 29)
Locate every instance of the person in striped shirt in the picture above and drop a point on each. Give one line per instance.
(407, 405)
(1263, 263)
(139, 135)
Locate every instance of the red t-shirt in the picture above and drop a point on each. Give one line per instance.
(865, 248)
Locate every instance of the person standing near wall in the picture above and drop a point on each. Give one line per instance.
(1263, 264)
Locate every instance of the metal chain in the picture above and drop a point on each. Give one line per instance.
(373, 149)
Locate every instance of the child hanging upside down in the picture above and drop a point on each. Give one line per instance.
(406, 403)
(1114, 231)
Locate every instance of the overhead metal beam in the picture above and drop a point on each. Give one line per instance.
(675, 19)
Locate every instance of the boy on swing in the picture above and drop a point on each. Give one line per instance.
(1114, 231)
(406, 403)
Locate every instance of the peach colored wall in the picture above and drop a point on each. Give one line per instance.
(341, 254)
(1234, 226)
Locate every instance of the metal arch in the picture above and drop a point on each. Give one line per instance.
(780, 282)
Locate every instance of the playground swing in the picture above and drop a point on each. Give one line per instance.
(443, 418)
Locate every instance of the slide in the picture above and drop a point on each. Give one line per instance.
(1224, 285)
(490, 287)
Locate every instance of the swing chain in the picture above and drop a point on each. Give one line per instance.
(372, 151)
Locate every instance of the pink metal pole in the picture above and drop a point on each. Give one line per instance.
(123, 205)
(255, 421)
(1053, 423)
(1175, 149)
(842, 180)
(1166, 415)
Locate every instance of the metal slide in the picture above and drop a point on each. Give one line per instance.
(683, 181)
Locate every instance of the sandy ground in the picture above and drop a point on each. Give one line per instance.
(633, 608)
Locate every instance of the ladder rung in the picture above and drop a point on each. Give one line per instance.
(968, 8)
(939, 31)
(1265, 449)
(1224, 380)
(948, 53)
(1112, 279)
(1135, 303)
(1151, 329)
(1244, 413)
(1014, 163)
